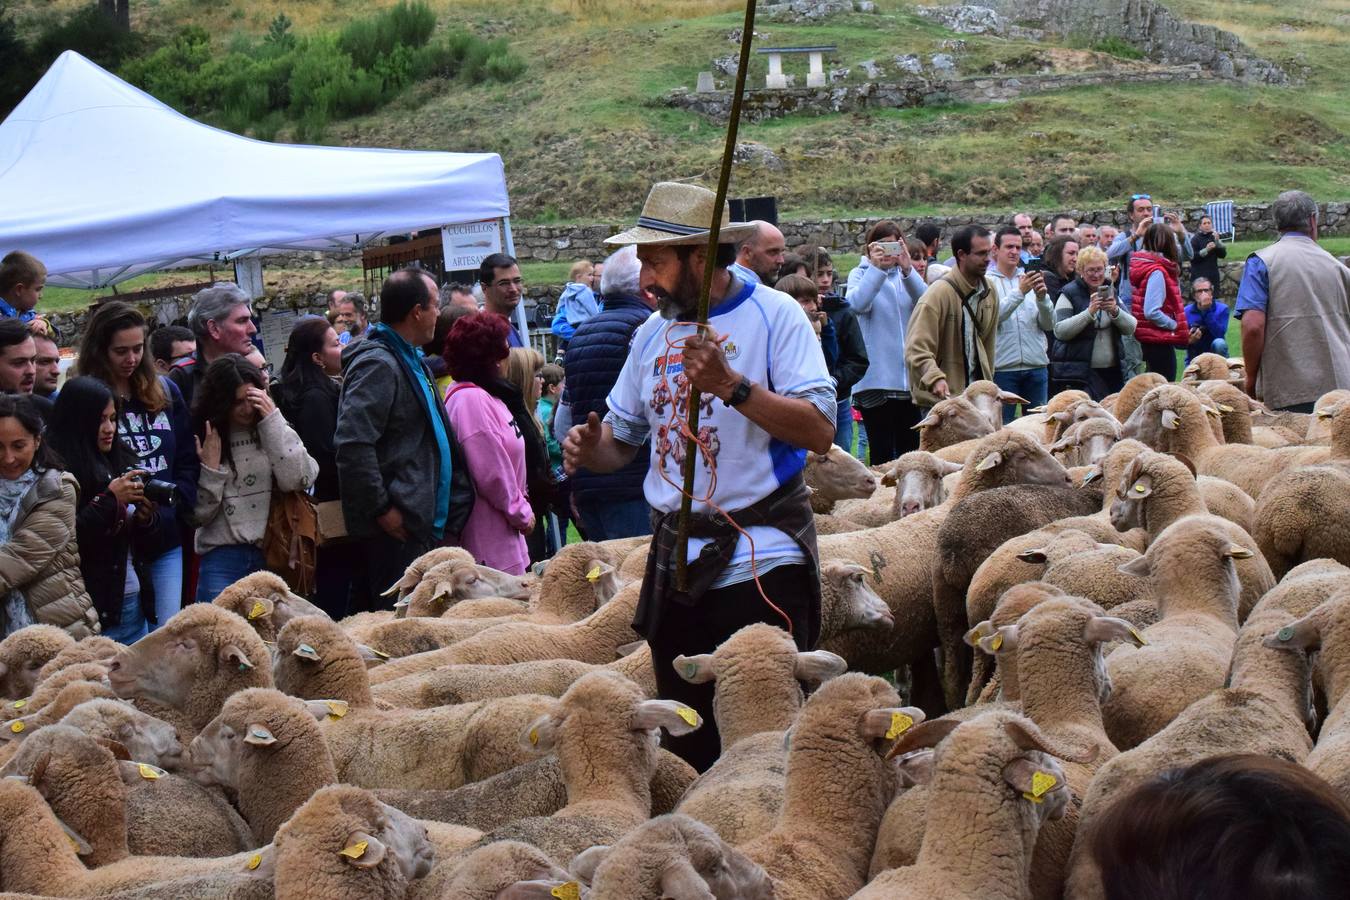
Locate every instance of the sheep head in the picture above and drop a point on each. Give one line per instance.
(1207, 367)
(315, 658)
(256, 722)
(1134, 391)
(90, 650)
(147, 739)
(508, 870)
(1010, 457)
(989, 399)
(837, 475)
(671, 856)
(1191, 565)
(952, 421)
(852, 601)
(418, 567)
(1151, 479)
(917, 477)
(24, 653)
(193, 662)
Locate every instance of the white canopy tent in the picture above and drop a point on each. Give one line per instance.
(103, 182)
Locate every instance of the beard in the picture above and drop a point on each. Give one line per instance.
(682, 303)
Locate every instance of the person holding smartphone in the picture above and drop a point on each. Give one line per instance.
(1140, 209)
(883, 290)
(1025, 314)
(1090, 330)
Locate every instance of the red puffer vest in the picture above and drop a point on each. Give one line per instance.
(1142, 266)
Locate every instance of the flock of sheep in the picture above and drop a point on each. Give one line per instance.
(1098, 592)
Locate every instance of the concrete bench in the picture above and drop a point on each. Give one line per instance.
(776, 80)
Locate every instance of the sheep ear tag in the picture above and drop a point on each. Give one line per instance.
(254, 861)
(257, 610)
(305, 651)
(1041, 782)
(1134, 633)
(592, 576)
(900, 723)
(996, 643)
(16, 726)
(149, 772)
(534, 737)
(690, 717)
(81, 846)
(1285, 634)
(355, 851)
(336, 709)
(568, 890)
(18, 704)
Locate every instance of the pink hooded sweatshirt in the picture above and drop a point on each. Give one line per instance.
(495, 453)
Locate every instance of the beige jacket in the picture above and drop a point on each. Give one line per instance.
(42, 560)
(935, 345)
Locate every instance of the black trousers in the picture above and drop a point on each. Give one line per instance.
(890, 429)
(688, 630)
(1160, 358)
(381, 564)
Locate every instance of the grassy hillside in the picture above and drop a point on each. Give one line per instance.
(581, 138)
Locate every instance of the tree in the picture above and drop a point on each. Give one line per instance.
(117, 10)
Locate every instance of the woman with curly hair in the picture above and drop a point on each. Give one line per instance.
(245, 447)
(477, 355)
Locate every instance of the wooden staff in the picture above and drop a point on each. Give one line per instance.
(691, 450)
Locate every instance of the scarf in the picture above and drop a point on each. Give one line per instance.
(15, 607)
(411, 362)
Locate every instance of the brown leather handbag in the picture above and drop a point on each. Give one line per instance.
(291, 543)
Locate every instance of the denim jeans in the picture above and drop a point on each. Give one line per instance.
(1031, 385)
(132, 627)
(843, 424)
(166, 574)
(607, 521)
(1218, 345)
(223, 566)
(862, 441)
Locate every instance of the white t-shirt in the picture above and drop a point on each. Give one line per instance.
(771, 342)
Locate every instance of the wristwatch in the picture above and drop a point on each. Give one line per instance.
(741, 393)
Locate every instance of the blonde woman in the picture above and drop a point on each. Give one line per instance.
(1091, 328)
(525, 371)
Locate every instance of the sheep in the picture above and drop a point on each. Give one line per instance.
(38, 857)
(345, 843)
(996, 780)
(277, 607)
(1134, 392)
(49, 689)
(1187, 653)
(974, 528)
(604, 733)
(989, 398)
(1206, 367)
(757, 696)
(433, 748)
(594, 639)
(502, 870)
(1062, 681)
(89, 650)
(833, 476)
(1318, 429)
(24, 653)
(412, 575)
(1262, 710)
(1085, 443)
(1040, 421)
(464, 592)
(917, 480)
(1235, 414)
(837, 788)
(70, 696)
(1156, 491)
(1326, 631)
(1076, 414)
(147, 739)
(671, 856)
(953, 421)
(191, 663)
(125, 807)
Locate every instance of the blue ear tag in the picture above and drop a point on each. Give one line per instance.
(1285, 634)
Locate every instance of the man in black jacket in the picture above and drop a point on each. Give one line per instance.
(851, 364)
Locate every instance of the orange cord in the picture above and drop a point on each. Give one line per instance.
(680, 422)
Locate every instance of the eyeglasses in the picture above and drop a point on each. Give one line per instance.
(505, 283)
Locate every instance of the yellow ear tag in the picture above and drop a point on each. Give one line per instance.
(16, 726)
(690, 717)
(534, 737)
(355, 851)
(336, 709)
(592, 576)
(1134, 633)
(567, 891)
(254, 861)
(997, 643)
(20, 704)
(900, 723)
(1138, 488)
(148, 772)
(257, 610)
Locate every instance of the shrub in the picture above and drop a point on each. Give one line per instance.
(370, 39)
(1117, 46)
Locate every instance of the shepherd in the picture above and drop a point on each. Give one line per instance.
(767, 399)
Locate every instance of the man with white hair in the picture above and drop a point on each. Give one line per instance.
(760, 256)
(1294, 303)
(222, 320)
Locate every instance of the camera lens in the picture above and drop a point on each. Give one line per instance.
(161, 492)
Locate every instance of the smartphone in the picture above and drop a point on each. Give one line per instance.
(1104, 292)
(1035, 264)
(890, 248)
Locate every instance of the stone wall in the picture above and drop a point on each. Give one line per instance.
(1148, 25)
(760, 104)
(845, 235)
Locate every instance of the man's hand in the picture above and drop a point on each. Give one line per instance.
(1194, 336)
(580, 442)
(1141, 226)
(705, 365)
(391, 523)
(940, 389)
(1174, 222)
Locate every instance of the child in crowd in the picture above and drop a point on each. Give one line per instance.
(577, 303)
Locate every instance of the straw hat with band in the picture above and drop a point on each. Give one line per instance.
(678, 214)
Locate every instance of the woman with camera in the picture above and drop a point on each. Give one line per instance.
(1090, 327)
(248, 452)
(115, 525)
(153, 424)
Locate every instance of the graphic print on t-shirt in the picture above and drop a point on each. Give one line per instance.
(139, 436)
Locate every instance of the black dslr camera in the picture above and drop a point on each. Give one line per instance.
(161, 492)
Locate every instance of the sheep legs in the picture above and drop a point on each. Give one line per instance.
(949, 608)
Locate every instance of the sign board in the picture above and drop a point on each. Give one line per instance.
(275, 331)
(467, 245)
(248, 274)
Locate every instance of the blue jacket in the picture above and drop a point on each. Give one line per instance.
(592, 365)
(576, 305)
(1214, 323)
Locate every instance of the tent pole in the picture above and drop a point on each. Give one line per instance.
(510, 244)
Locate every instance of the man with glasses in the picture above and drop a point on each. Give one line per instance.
(1140, 211)
(499, 276)
(1207, 320)
(171, 345)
